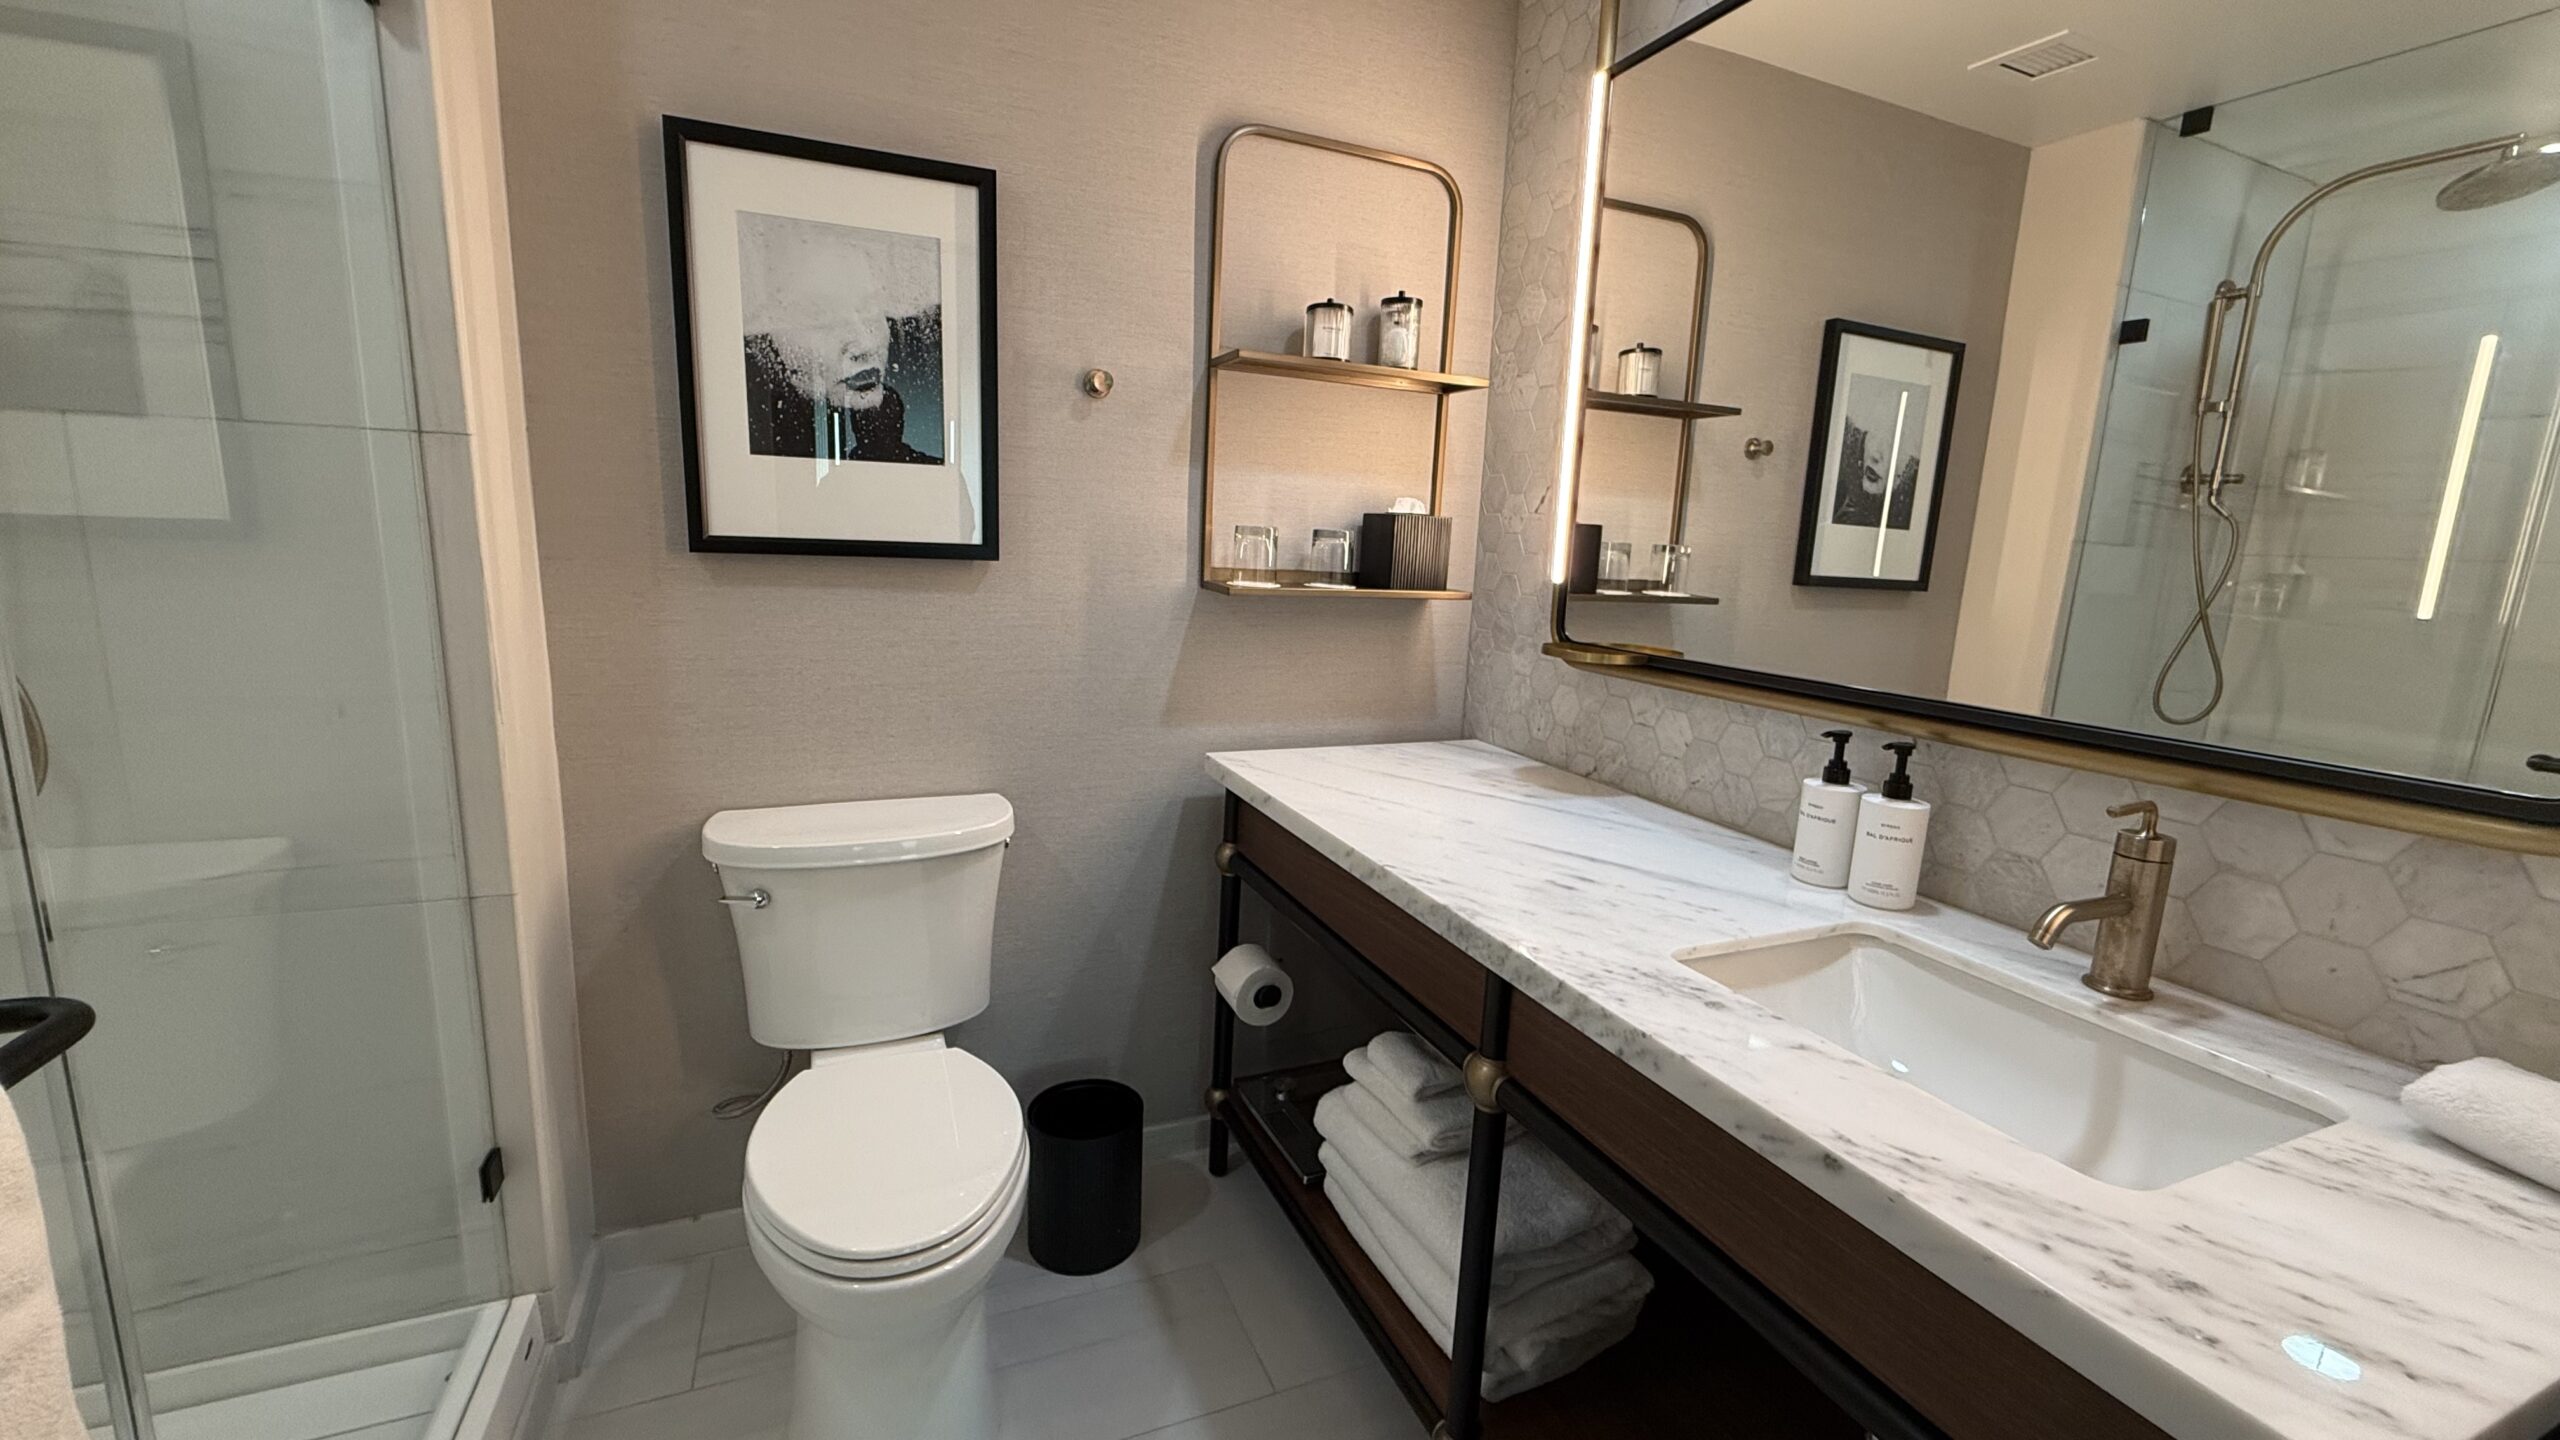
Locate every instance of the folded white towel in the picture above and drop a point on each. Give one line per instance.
(1420, 1129)
(35, 1375)
(1547, 1211)
(1545, 1333)
(1436, 1274)
(2494, 1110)
(1411, 1070)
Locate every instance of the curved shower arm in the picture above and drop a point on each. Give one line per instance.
(2247, 297)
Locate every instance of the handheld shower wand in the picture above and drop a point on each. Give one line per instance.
(2207, 477)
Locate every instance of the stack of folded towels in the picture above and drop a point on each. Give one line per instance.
(1395, 1158)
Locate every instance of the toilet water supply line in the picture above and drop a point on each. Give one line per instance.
(740, 1105)
(2205, 481)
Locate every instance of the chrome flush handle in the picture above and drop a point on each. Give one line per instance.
(755, 899)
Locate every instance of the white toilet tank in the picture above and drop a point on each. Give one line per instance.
(864, 920)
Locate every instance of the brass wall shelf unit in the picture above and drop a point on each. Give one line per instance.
(1439, 384)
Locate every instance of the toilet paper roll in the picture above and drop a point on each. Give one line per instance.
(1257, 989)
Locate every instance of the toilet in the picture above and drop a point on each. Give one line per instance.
(885, 1181)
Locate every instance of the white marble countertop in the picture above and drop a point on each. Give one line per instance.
(2436, 1273)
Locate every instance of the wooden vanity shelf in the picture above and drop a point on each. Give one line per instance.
(1687, 1351)
(1224, 361)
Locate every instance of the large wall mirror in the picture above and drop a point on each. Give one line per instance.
(2183, 378)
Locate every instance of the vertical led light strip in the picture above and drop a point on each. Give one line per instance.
(1578, 345)
(2457, 475)
(1892, 472)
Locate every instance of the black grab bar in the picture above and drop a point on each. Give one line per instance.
(47, 1025)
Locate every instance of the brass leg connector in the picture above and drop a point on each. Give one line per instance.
(1485, 1079)
(1214, 1097)
(1226, 857)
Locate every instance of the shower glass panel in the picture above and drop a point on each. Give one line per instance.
(2387, 609)
(217, 591)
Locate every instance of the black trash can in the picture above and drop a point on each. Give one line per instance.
(1085, 1141)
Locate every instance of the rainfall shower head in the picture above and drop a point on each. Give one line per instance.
(2524, 169)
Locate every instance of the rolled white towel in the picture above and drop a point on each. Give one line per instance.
(2494, 1110)
(1419, 1129)
(1546, 1333)
(35, 1374)
(1546, 1208)
(1410, 1069)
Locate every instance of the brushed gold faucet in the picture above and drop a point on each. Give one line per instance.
(2128, 915)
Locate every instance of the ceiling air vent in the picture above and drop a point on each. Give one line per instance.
(2038, 59)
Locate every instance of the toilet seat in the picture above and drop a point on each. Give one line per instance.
(879, 1164)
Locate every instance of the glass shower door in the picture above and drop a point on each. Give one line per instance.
(217, 591)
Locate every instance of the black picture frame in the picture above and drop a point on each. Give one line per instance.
(678, 133)
(1820, 462)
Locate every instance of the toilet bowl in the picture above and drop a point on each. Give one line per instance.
(882, 1187)
(884, 1182)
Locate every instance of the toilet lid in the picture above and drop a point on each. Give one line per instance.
(872, 1157)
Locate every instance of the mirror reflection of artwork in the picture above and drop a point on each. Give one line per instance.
(836, 346)
(1879, 465)
(1879, 452)
(843, 340)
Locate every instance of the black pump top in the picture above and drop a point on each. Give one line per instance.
(1897, 786)
(1835, 771)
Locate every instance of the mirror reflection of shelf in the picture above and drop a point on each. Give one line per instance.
(1643, 597)
(1616, 403)
(1345, 372)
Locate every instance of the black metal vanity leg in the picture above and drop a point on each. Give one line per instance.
(1222, 1020)
(1487, 1072)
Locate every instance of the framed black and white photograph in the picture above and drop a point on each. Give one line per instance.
(836, 346)
(1881, 414)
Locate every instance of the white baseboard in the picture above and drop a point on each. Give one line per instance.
(577, 1315)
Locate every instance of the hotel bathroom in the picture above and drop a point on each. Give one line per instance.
(1480, 719)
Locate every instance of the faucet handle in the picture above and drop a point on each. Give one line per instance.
(2142, 839)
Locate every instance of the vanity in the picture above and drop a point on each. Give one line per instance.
(1900, 1173)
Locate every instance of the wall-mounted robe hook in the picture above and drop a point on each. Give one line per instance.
(1096, 383)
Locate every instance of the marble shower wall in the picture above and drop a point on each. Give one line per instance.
(2423, 950)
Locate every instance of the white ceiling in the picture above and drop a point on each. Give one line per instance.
(2155, 58)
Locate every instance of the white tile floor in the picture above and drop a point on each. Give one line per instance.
(1219, 1328)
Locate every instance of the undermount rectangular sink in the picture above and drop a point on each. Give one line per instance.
(2100, 1101)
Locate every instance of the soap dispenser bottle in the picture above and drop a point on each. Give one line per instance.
(1884, 869)
(1827, 819)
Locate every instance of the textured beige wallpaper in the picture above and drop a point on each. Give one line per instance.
(1083, 674)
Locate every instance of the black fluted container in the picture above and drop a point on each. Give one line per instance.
(1086, 1137)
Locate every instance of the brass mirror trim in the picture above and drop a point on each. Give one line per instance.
(2238, 781)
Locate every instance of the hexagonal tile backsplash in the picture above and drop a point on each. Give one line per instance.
(2422, 950)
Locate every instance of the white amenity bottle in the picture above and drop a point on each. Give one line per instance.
(1827, 819)
(1884, 869)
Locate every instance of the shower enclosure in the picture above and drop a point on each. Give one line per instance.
(232, 809)
(2386, 606)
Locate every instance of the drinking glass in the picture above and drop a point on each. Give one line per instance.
(1329, 556)
(1669, 563)
(1257, 555)
(1616, 558)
